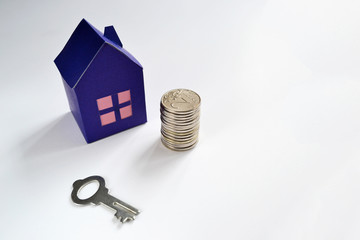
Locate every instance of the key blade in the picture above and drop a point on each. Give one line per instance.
(126, 207)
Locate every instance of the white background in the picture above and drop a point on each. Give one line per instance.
(279, 154)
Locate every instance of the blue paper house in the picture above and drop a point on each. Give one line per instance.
(103, 82)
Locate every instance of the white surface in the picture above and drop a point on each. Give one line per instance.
(279, 151)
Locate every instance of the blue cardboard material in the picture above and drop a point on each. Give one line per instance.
(103, 82)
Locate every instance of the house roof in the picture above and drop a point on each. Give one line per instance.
(83, 45)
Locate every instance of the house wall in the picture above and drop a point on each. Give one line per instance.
(110, 73)
(74, 106)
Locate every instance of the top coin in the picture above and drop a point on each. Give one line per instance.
(181, 100)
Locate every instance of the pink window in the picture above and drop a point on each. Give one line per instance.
(104, 103)
(124, 97)
(126, 112)
(107, 118)
(108, 102)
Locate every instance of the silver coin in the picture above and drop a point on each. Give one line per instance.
(179, 129)
(179, 123)
(171, 125)
(178, 145)
(177, 148)
(175, 140)
(182, 118)
(180, 100)
(189, 118)
(180, 134)
(179, 139)
(178, 113)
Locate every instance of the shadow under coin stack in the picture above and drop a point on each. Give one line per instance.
(180, 115)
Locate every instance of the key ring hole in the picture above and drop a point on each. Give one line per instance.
(88, 190)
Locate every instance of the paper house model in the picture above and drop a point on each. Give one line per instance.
(103, 82)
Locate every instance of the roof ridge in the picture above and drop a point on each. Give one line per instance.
(114, 44)
(77, 81)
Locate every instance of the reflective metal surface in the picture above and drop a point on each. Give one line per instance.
(180, 119)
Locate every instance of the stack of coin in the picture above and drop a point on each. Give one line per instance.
(180, 115)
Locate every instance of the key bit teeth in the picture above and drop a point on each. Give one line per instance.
(127, 219)
(124, 219)
(118, 215)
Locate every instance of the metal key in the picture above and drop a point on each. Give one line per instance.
(124, 212)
